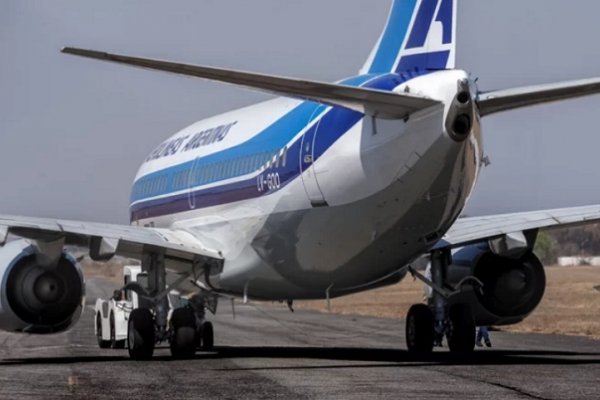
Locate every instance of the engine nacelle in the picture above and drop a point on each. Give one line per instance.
(36, 299)
(512, 287)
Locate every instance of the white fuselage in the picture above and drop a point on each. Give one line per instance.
(305, 199)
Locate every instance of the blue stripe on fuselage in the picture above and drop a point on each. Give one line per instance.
(270, 140)
(333, 125)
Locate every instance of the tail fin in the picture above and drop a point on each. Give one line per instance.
(420, 34)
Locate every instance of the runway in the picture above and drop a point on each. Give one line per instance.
(269, 352)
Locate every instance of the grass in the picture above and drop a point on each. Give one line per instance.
(571, 304)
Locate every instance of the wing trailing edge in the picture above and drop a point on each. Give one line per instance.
(510, 99)
(368, 101)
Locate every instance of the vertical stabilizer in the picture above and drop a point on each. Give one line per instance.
(419, 34)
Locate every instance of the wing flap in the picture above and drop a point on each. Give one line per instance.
(476, 229)
(369, 101)
(505, 100)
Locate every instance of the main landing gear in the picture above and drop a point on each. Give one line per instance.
(427, 325)
(185, 330)
(185, 335)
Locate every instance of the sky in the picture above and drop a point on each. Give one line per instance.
(73, 131)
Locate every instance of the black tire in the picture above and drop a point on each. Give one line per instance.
(461, 338)
(208, 336)
(419, 329)
(103, 344)
(183, 333)
(140, 334)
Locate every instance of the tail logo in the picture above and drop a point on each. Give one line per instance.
(424, 20)
(419, 35)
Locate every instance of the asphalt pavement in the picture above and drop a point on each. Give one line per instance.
(268, 352)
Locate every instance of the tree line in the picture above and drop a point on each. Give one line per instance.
(576, 241)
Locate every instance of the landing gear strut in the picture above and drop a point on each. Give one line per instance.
(439, 267)
(148, 324)
(426, 325)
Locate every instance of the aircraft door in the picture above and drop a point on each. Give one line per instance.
(193, 175)
(307, 168)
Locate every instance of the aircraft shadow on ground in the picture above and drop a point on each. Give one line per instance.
(377, 357)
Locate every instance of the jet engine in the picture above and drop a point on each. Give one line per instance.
(36, 298)
(512, 287)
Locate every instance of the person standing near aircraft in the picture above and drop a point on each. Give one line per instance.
(483, 334)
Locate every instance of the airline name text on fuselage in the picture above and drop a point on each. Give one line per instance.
(191, 142)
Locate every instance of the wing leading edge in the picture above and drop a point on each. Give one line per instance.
(108, 240)
(476, 229)
(369, 101)
(510, 99)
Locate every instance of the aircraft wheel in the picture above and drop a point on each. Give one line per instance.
(461, 338)
(419, 329)
(140, 334)
(103, 344)
(183, 333)
(208, 336)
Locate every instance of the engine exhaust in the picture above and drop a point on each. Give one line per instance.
(459, 121)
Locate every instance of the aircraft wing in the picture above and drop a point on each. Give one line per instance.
(476, 229)
(504, 100)
(106, 240)
(369, 101)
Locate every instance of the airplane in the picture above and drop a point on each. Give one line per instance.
(328, 190)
